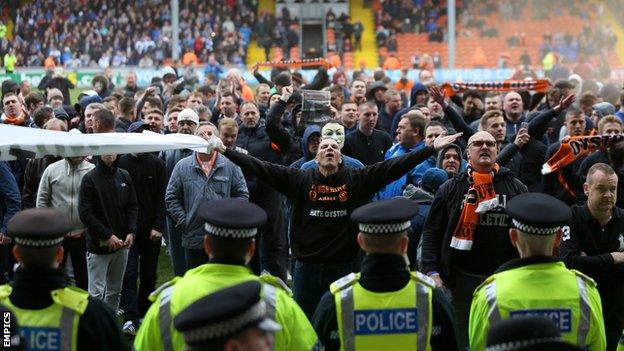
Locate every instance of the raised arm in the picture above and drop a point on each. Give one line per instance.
(281, 178)
(456, 120)
(274, 128)
(381, 173)
(539, 124)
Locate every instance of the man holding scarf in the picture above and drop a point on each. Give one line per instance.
(465, 237)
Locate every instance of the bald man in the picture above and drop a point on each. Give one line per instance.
(465, 237)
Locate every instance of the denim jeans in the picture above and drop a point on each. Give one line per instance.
(312, 280)
(142, 265)
(176, 251)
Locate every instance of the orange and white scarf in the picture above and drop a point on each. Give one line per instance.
(481, 189)
(572, 148)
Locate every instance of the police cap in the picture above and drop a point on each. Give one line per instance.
(38, 227)
(390, 216)
(537, 213)
(526, 333)
(232, 218)
(224, 313)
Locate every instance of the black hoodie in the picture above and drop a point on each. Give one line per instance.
(321, 231)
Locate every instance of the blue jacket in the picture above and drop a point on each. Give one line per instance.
(418, 86)
(311, 129)
(396, 188)
(347, 161)
(419, 170)
(10, 200)
(189, 187)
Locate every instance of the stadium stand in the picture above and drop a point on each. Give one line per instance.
(130, 32)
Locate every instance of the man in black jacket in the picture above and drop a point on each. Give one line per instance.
(465, 236)
(566, 183)
(40, 288)
(322, 239)
(108, 209)
(269, 142)
(594, 244)
(149, 177)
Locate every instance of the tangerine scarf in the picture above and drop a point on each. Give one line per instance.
(16, 121)
(572, 148)
(481, 189)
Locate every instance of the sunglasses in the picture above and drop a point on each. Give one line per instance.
(480, 143)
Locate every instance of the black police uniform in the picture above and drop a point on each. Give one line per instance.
(386, 273)
(32, 287)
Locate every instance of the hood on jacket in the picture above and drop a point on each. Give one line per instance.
(418, 86)
(603, 109)
(462, 166)
(309, 131)
(418, 195)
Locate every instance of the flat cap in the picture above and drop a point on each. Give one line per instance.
(38, 227)
(224, 313)
(390, 216)
(537, 213)
(232, 218)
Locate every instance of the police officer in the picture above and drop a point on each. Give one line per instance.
(53, 316)
(234, 318)
(231, 225)
(538, 283)
(385, 307)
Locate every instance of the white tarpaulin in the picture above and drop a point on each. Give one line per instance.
(23, 142)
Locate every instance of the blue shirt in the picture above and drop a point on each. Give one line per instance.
(346, 161)
(396, 188)
(620, 115)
